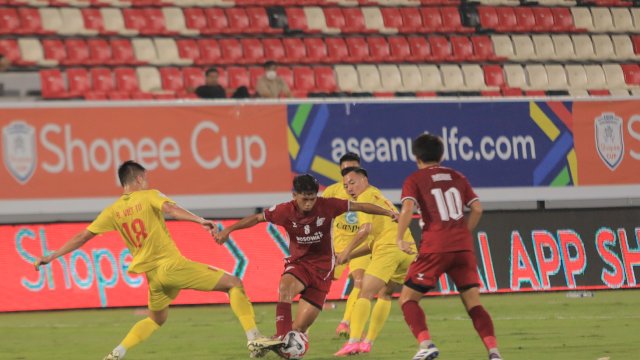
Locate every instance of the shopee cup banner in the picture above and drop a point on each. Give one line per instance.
(495, 144)
(75, 152)
(607, 137)
(96, 274)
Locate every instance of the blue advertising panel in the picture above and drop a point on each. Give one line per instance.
(505, 144)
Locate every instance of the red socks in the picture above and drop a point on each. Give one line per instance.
(283, 318)
(414, 316)
(484, 326)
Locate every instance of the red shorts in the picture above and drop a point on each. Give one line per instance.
(426, 269)
(317, 283)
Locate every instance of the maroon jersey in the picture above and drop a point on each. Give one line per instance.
(309, 234)
(441, 194)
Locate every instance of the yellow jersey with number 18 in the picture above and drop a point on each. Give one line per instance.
(139, 219)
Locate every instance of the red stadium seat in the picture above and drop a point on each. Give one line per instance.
(507, 21)
(210, 52)
(379, 50)
(354, 20)
(635, 39)
(631, 73)
(325, 79)
(432, 20)
(239, 21)
(483, 48)
(156, 22)
(304, 79)
(9, 48)
(78, 52)
(317, 50)
(287, 75)
(563, 20)
(122, 52)
(127, 81)
(392, 18)
(526, 19)
(493, 76)
(462, 49)
(441, 49)
(297, 20)
(102, 79)
(451, 20)
(53, 86)
(54, 50)
(337, 50)
(171, 78)
(218, 22)
(252, 51)
(488, 17)
(10, 22)
(231, 51)
(358, 49)
(420, 48)
(274, 50)
(188, 49)
(193, 77)
(295, 51)
(544, 19)
(100, 52)
(135, 19)
(78, 80)
(259, 20)
(196, 19)
(400, 49)
(30, 21)
(237, 76)
(93, 20)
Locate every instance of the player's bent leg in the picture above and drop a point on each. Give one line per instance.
(343, 328)
(379, 316)
(305, 316)
(481, 319)
(141, 331)
(289, 287)
(415, 318)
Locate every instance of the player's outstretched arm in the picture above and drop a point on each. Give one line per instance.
(247, 222)
(177, 212)
(406, 212)
(348, 253)
(372, 209)
(474, 215)
(74, 243)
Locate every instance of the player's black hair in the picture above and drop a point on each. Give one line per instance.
(428, 148)
(305, 183)
(355, 169)
(350, 156)
(128, 171)
(211, 70)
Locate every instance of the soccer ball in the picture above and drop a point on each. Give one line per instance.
(295, 346)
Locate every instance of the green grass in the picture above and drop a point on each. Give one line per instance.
(529, 326)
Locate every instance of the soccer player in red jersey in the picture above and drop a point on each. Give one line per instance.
(307, 220)
(446, 246)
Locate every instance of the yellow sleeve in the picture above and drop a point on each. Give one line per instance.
(103, 223)
(156, 198)
(330, 191)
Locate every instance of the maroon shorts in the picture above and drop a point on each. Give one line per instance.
(317, 283)
(426, 269)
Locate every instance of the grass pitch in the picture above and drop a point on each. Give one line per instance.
(545, 326)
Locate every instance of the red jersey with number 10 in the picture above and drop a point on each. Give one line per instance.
(309, 233)
(441, 194)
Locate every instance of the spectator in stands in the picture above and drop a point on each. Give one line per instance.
(211, 88)
(5, 63)
(270, 85)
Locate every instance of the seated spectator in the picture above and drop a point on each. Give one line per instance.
(270, 85)
(211, 88)
(5, 63)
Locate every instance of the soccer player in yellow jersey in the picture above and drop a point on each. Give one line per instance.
(345, 228)
(138, 215)
(388, 265)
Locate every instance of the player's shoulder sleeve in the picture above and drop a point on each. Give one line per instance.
(410, 188)
(157, 198)
(277, 214)
(335, 206)
(468, 194)
(105, 222)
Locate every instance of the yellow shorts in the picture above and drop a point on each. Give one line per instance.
(166, 281)
(359, 263)
(389, 264)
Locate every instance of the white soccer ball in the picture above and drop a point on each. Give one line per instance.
(295, 346)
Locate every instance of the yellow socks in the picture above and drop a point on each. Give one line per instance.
(139, 333)
(353, 297)
(359, 317)
(379, 316)
(243, 309)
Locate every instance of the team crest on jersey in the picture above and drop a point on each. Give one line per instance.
(351, 217)
(19, 150)
(610, 139)
(319, 221)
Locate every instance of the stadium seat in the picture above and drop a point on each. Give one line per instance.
(150, 82)
(452, 21)
(488, 18)
(453, 79)
(603, 47)
(420, 48)
(631, 74)
(238, 21)
(358, 49)
(583, 47)
(317, 50)
(102, 79)
(564, 21)
(622, 20)
(493, 76)
(507, 20)
(196, 20)
(10, 22)
(9, 48)
(369, 78)
(462, 49)
(188, 49)
(294, 50)
(296, 19)
(54, 49)
(544, 21)
(474, 78)
(123, 53)
(392, 19)
(537, 76)
(544, 48)
(31, 22)
(399, 49)
(411, 78)
(431, 78)
(352, 20)
(582, 18)
(210, 51)
(577, 77)
(515, 76)
(595, 77)
(100, 51)
(503, 46)
(218, 22)
(171, 78)
(145, 51)
(557, 77)
(252, 51)
(53, 85)
(126, 81)
(92, 19)
(114, 22)
(602, 19)
(483, 48)
(304, 80)
(78, 81)
(231, 51)
(614, 76)
(325, 79)
(168, 53)
(175, 22)
(286, 74)
(432, 20)
(563, 47)
(379, 50)
(374, 21)
(237, 76)
(193, 77)
(441, 50)
(526, 19)
(31, 51)
(274, 51)
(259, 20)
(347, 77)
(523, 47)
(337, 50)
(623, 47)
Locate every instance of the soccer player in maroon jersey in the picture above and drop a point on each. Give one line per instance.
(446, 246)
(307, 220)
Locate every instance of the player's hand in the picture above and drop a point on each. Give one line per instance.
(41, 261)
(210, 226)
(342, 258)
(405, 246)
(222, 236)
(394, 215)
